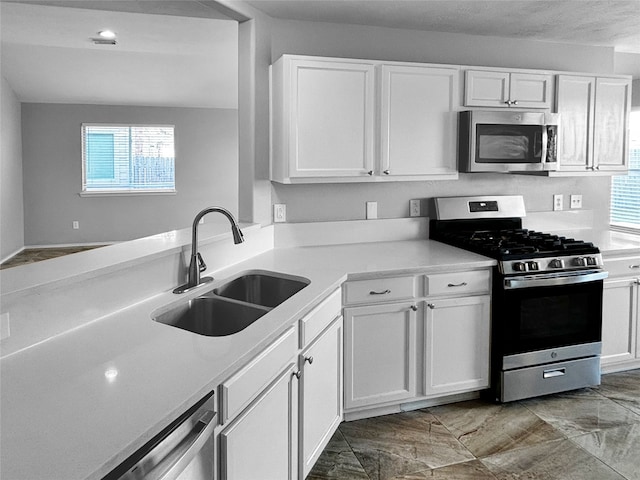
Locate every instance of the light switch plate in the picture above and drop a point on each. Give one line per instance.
(279, 213)
(372, 210)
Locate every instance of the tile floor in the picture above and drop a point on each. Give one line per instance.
(587, 434)
(32, 255)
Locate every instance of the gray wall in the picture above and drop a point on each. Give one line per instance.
(347, 201)
(206, 173)
(11, 203)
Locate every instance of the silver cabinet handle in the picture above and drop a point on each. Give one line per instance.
(370, 172)
(556, 372)
(515, 102)
(201, 432)
(383, 292)
(414, 308)
(463, 284)
(431, 305)
(297, 374)
(386, 172)
(634, 266)
(308, 359)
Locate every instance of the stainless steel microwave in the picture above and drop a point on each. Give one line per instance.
(494, 141)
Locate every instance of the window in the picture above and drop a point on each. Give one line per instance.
(625, 190)
(127, 159)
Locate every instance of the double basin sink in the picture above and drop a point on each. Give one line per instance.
(235, 305)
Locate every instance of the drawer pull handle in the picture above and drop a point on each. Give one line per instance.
(556, 372)
(297, 374)
(634, 266)
(308, 359)
(431, 305)
(463, 284)
(414, 308)
(384, 292)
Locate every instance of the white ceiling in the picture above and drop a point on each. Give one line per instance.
(159, 60)
(614, 23)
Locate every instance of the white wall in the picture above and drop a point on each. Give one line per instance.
(11, 202)
(347, 201)
(206, 173)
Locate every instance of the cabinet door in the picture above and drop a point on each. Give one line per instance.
(619, 320)
(262, 440)
(486, 88)
(457, 344)
(611, 135)
(575, 104)
(418, 120)
(530, 90)
(320, 394)
(331, 128)
(379, 354)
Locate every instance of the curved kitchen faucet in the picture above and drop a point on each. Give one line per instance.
(197, 265)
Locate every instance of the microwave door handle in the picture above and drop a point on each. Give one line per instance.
(551, 281)
(545, 139)
(176, 461)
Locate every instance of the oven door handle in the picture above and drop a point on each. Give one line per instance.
(554, 280)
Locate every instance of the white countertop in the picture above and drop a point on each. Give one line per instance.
(63, 418)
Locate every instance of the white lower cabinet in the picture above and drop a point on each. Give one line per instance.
(380, 354)
(456, 350)
(261, 442)
(320, 394)
(620, 314)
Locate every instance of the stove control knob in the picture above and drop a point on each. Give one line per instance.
(592, 261)
(533, 266)
(580, 262)
(519, 266)
(556, 263)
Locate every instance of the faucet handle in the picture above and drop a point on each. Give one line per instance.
(201, 265)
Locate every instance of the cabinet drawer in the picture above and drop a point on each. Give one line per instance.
(379, 290)
(319, 318)
(460, 283)
(623, 267)
(241, 388)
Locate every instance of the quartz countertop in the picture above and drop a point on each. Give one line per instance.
(78, 404)
(610, 242)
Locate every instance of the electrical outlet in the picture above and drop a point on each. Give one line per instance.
(372, 210)
(576, 201)
(414, 208)
(76, 225)
(558, 202)
(279, 213)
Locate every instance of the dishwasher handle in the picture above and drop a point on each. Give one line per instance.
(174, 463)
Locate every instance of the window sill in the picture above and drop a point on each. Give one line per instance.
(621, 229)
(126, 193)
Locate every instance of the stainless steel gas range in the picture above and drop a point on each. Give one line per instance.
(546, 297)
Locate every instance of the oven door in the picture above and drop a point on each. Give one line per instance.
(554, 313)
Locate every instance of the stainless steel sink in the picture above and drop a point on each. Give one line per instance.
(212, 316)
(259, 287)
(235, 305)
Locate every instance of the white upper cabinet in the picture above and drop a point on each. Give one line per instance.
(503, 89)
(322, 119)
(334, 120)
(418, 120)
(594, 113)
(611, 133)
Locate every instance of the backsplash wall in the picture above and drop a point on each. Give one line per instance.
(328, 202)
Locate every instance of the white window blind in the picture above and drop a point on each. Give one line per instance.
(625, 189)
(128, 158)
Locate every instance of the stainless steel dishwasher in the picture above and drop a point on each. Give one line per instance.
(185, 450)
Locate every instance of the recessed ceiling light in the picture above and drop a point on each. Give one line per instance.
(108, 34)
